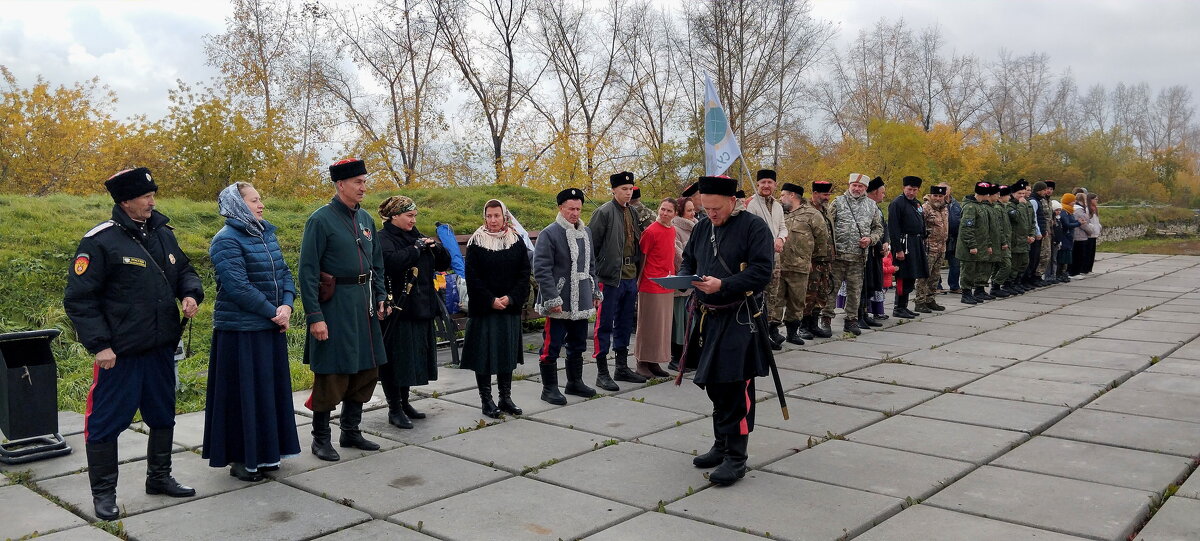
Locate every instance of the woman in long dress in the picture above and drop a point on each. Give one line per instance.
(497, 286)
(409, 260)
(249, 421)
(656, 303)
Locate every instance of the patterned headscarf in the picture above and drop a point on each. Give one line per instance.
(396, 204)
(231, 205)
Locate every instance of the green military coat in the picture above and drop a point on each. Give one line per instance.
(974, 231)
(1000, 233)
(1020, 217)
(342, 241)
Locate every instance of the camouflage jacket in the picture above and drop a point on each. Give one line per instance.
(808, 238)
(854, 218)
(937, 227)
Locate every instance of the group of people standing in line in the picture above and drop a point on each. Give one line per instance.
(370, 301)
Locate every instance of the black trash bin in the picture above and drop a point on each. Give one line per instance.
(29, 398)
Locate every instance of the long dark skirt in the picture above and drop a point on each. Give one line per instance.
(1089, 257)
(493, 344)
(1079, 250)
(411, 351)
(248, 415)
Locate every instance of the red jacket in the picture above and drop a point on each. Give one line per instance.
(888, 270)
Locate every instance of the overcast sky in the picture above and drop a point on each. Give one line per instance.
(140, 47)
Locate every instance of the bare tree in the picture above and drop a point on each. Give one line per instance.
(802, 40)
(252, 53)
(868, 82)
(1094, 108)
(923, 78)
(961, 91)
(656, 97)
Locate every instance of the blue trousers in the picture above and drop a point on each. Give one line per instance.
(145, 382)
(614, 321)
(954, 272)
(559, 332)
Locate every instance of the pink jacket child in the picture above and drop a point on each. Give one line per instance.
(888, 270)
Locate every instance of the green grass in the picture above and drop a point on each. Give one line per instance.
(38, 238)
(1176, 245)
(1118, 217)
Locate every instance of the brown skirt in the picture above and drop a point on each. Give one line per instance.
(654, 311)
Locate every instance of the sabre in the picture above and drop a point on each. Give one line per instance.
(760, 324)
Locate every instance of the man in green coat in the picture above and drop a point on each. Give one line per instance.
(974, 243)
(1020, 217)
(1000, 240)
(344, 347)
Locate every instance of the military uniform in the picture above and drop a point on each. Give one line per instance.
(974, 233)
(1001, 234)
(1020, 218)
(852, 218)
(807, 228)
(820, 276)
(937, 228)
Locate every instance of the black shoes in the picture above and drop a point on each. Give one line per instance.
(793, 333)
(714, 457)
(240, 471)
(351, 435)
(967, 298)
(922, 308)
(603, 380)
(102, 474)
(733, 467)
(850, 325)
(397, 417)
(821, 329)
(981, 294)
(999, 292)
(864, 318)
(321, 446)
(776, 338)
(550, 392)
(158, 466)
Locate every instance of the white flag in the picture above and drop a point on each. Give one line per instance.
(720, 147)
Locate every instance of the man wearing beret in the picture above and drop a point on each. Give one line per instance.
(820, 278)
(937, 228)
(765, 205)
(616, 231)
(341, 279)
(121, 292)
(857, 225)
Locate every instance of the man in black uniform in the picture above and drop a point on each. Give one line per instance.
(906, 229)
(121, 293)
(733, 253)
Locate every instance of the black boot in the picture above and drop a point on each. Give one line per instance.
(850, 325)
(922, 308)
(408, 409)
(865, 320)
(321, 446)
(933, 305)
(714, 457)
(968, 298)
(158, 466)
(676, 351)
(484, 382)
(504, 385)
(998, 291)
(603, 380)
(776, 338)
(396, 415)
(734, 465)
(822, 329)
(240, 471)
(623, 373)
(351, 435)
(575, 385)
(550, 392)
(901, 310)
(395, 404)
(793, 335)
(981, 294)
(102, 474)
(802, 329)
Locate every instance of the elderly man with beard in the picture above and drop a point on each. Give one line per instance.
(856, 226)
(937, 228)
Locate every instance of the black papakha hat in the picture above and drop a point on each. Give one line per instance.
(875, 184)
(621, 179)
(569, 194)
(347, 169)
(764, 173)
(982, 188)
(1019, 185)
(718, 186)
(794, 188)
(822, 186)
(912, 181)
(690, 190)
(1039, 186)
(740, 194)
(937, 190)
(1049, 184)
(995, 189)
(130, 184)
(1005, 190)
(637, 194)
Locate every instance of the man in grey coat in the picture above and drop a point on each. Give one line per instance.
(616, 234)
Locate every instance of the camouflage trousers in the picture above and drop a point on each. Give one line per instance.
(1020, 260)
(1003, 267)
(772, 301)
(1044, 257)
(850, 272)
(820, 284)
(792, 294)
(975, 274)
(927, 287)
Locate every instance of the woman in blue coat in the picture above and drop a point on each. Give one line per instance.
(249, 422)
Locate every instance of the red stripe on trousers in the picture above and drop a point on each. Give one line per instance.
(545, 342)
(744, 425)
(87, 412)
(596, 330)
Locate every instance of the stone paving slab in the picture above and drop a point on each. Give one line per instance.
(1165, 383)
(821, 363)
(971, 346)
(1191, 350)
(526, 393)
(131, 446)
(874, 469)
(922, 377)
(188, 468)
(1015, 336)
(1172, 317)
(443, 418)
(630, 473)
(1179, 308)
(936, 358)
(936, 329)
(386, 483)
(861, 349)
(306, 461)
(991, 311)
(1191, 487)
(1084, 461)
(1130, 362)
(685, 397)
(664, 527)
(449, 380)
(970, 443)
(1150, 404)
(377, 530)
(1138, 323)
(1129, 431)
(517, 445)
(24, 513)
(815, 418)
(864, 394)
(82, 533)
(69, 423)
(927, 523)
(1177, 520)
(980, 324)
(516, 509)
(1180, 367)
(1155, 349)
(271, 510)
(1142, 335)
(991, 412)
(189, 429)
(766, 444)
(814, 511)
(1053, 503)
(890, 338)
(617, 418)
(1096, 311)
(1071, 395)
(1066, 373)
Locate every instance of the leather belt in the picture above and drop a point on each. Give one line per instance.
(352, 280)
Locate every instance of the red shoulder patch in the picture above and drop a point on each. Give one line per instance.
(81, 264)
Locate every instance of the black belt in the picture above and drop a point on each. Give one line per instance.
(356, 280)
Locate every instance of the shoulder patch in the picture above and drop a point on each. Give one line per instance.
(169, 226)
(101, 227)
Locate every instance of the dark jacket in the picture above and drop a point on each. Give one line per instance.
(492, 274)
(607, 228)
(1064, 234)
(956, 211)
(124, 283)
(906, 228)
(975, 231)
(400, 256)
(253, 280)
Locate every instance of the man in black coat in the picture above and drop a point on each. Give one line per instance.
(121, 292)
(733, 252)
(906, 229)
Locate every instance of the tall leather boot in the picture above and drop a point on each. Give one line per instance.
(550, 392)
(411, 412)
(351, 435)
(575, 385)
(484, 382)
(504, 385)
(734, 465)
(793, 333)
(776, 338)
(102, 474)
(395, 404)
(158, 466)
(714, 457)
(603, 380)
(321, 446)
(822, 329)
(623, 373)
(802, 329)
(676, 352)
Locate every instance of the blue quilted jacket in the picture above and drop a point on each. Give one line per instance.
(252, 278)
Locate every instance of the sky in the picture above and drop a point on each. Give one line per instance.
(139, 48)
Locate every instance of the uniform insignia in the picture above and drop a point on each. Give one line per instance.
(133, 261)
(81, 264)
(367, 233)
(970, 222)
(171, 258)
(100, 227)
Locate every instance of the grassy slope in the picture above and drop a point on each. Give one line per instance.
(38, 237)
